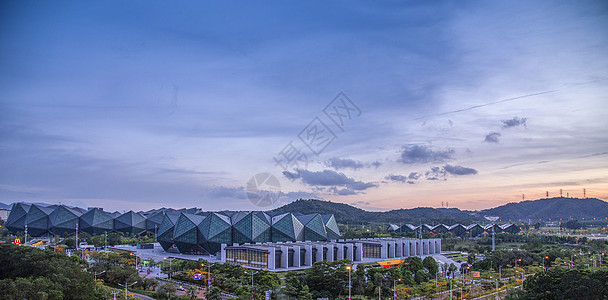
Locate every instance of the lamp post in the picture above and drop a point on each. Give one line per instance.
(572, 260)
(395, 287)
(252, 284)
(518, 260)
(170, 269)
(126, 285)
(349, 282)
(546, 257)
(208, 273)
(131, 254)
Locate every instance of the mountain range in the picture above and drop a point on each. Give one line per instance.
(549, 209)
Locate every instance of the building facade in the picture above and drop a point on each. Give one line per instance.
(300, 255)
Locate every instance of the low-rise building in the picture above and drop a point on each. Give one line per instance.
(301, 255)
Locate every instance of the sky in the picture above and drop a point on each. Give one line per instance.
(246, 106)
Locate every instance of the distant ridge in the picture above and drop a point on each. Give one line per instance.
(533, 210)
(345, 213)
(551, 208)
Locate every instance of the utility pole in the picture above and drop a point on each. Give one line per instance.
(126, 285)
(493, 238)
(76, 237)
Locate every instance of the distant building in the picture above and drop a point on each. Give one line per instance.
(182, 232)
(472, 230)
(301, 255)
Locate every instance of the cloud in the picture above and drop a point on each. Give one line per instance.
(423, 154)
(329, 178)
(343, 163)
(392, 177)
(492, 137)
(342, 192)
(459, 170)
(414, 175)
(514, 122)
(402, 178)
(435, 173)
(360, 203)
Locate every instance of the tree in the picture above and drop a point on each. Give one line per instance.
(168, 289)
(192, 291)
(30, 273)
(420, 276)
(431, 265)
(413, 264)
(452, 270)
(294, 283)
(471, 258)
(560, 283)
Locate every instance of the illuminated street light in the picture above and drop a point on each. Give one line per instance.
(349, 284)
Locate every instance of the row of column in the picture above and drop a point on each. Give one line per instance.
(395, 248)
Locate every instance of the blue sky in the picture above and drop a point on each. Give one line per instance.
(141, 105)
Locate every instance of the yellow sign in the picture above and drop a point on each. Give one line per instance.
(476, 274)
(17, 241)
(390, 263)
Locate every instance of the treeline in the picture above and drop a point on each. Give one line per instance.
(347, 214)
(30, 273)
(565, 284)
(330, 280)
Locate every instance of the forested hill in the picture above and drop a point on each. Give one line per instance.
(551, 208)
(345, 213)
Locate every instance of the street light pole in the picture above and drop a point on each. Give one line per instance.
(126, 286)
(349, 282)
(395, 287)
(252, 284)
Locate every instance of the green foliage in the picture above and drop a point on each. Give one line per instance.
(413, 264)
(430, 265)
(566, 284)
(552, 208)
(30, 273)
(345, 213)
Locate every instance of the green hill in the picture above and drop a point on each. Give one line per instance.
(345, 213)
(551, 208)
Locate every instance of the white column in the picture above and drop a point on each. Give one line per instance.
(271, 256)
(359, 252)
(391, 249)
(340, 255)
(330, 252)
(284, 257)
(308, 258)
(319, 252)
(223, 252)
(296, 256)
(399, 248)
(349, 251)
(383, 249)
